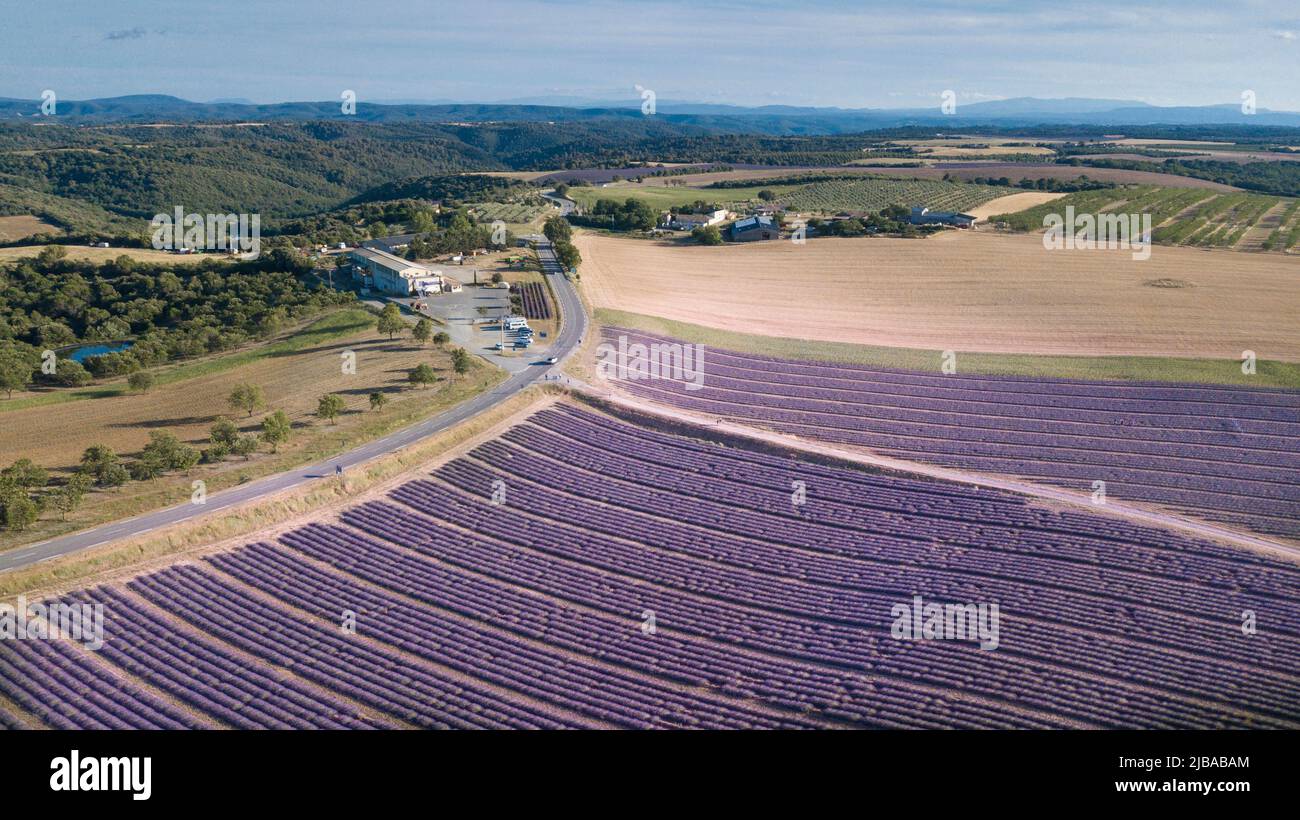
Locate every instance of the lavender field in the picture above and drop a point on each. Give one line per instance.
(1228, 454)
(584, 571)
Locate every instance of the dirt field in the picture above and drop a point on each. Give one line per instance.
(107, 254)
(13, 228)
(964, 291)
(1012, 203)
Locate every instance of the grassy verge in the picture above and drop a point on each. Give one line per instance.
(1129, 368)
(331, 326)
(77, 569)
(314, 443)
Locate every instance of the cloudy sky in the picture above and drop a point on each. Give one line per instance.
(811, 52)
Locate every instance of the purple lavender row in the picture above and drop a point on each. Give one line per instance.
(892, 514)
(826, 547)
(799, 688)
(1249, 397)
(377, 678)
(543, 673)
(826, 609)
(578, 569)
(1211, 493)
(67, 689)
(875, 594)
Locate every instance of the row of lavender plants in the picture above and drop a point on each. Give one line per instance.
(1226, 453)
(512, 587)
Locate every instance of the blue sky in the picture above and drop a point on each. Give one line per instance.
(858, 54)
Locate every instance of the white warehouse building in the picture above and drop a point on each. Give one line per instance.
(389, 273)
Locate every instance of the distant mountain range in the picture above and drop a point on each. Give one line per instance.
(717, 118)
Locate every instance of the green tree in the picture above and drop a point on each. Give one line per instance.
(568, 254)
(15, 371)
(26, 474)
(707, 235)
(140, 381)
(557, 229)
(245, 446)
(441, 338)
(329, 407)
(68, 497)
(377, 400)
(422, 330)
(223, 433)
(20, 511)
(422, 374)
(390, 320)
(460, 361)
(247, 397)
(102, 464)
(275, 429)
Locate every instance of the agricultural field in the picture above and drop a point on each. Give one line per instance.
(873, 195)
(530, 614)
(1227, 454)
(14, 228)
(973, 291)
(53, 428)
(101, 255)
(508, 212)
(822, 196)
(1191, 217)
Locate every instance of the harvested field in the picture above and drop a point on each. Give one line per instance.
(1012, 203)
(966, 291)
(100, 255)
(13, 228)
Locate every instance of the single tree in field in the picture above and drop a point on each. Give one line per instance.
(68, 497)
(422, 330)
(247, 397)
(15, 371)
(460, 361)
(245, 446)
(441, 338)
(20, 512)
(275, 429)
(390, 320)
(329, 407)
(141, 381)
(422, 375)
(377, 400)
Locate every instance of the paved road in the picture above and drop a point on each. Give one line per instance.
(572, 329)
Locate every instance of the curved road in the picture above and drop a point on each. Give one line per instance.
(571, 332)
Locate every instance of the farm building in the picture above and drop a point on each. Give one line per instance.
(755, 228)
(687, 222)
(388, 273)
(390, 244)
(925, 216)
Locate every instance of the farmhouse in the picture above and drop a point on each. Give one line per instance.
(388, 273)
(755, 228)
(925, 216)
(687, 222)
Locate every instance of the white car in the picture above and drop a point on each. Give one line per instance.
(552, 360)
